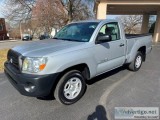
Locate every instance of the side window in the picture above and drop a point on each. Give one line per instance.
(110, 29)
(102, 31)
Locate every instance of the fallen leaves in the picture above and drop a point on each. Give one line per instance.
(3, 58)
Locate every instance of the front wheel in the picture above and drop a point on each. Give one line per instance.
(137, 62)
(70, 88)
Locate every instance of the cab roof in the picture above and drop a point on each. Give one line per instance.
(98, 21)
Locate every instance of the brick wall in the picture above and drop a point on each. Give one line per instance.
(3, 32)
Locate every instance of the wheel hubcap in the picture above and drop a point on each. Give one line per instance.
(72, 88)
(138, 62)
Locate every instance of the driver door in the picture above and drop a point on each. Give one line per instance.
(111, 54)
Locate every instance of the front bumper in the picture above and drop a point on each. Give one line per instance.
(43, 83)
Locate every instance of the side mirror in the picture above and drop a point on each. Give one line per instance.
(105, 38)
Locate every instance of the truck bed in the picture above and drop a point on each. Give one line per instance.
(130, 36)
(134, 41)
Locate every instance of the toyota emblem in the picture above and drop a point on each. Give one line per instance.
(11, 60)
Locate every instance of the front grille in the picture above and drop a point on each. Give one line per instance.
(13, 58)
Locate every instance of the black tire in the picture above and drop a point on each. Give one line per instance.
(59, 93)
(133, 66)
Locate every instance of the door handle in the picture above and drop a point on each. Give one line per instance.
(121, 45)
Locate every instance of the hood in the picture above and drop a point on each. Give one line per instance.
(45, 47)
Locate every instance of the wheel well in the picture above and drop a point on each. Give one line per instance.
(83, 68)
(143, 51)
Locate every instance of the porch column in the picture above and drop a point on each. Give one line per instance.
(156, 37)
(145, 22)
(102, 10)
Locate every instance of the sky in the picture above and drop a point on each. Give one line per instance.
(112, 16)
(1, 3)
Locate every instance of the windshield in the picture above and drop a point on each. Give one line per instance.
(80, 32)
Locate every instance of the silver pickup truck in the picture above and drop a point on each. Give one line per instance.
(79, 52)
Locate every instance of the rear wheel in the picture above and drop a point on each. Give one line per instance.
(137, 62)
(70, 88)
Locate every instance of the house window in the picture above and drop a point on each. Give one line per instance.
(1, 27)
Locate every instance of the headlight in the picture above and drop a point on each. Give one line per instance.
(33, 65)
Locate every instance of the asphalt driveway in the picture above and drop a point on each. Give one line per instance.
(118, 88)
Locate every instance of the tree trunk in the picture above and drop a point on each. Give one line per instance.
(70, 12)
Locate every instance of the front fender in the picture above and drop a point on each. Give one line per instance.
(61, 62)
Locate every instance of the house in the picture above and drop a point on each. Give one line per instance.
(3, 31)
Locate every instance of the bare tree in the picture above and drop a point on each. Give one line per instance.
(15, 33)
(76, 10)
(93, 4)
(43, 15)
(58, 13)
(132, 23)
(18, 10)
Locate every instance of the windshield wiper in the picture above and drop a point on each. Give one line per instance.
(55, 38)
(72, 40)
(67, 39)
(62, 39)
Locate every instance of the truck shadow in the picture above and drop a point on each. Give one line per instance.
(46, 98)
(105, 75)
(99, 114)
